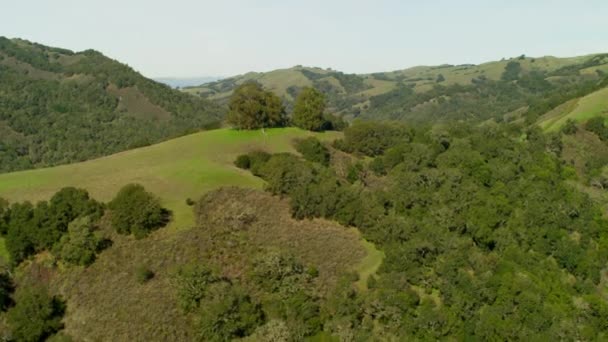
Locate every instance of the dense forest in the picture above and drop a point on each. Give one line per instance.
(57, 106)
(484, 237)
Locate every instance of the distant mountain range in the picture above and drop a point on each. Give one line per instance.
(175, 82)
(509, 89)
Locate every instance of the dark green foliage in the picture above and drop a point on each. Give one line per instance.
(569, 127)
(79, 246)
(476, 217)
(598, 126)
(372, 138)
(36, 315)
(243, 162)
(4, 215)
(308, 112)
(72, 115)
(257, 159)
(6, 289)
(143, 274)
(252, 107)
(228, 315)
(354, 172)
(334, 123)
(285, 281)
(313, 151)
(284, 173)
(136, 211)
(512, 71)
(440, 78)
(33, 229)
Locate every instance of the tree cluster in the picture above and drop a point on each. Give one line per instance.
(479, 228)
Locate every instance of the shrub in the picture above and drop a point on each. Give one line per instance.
(143, 274)
(257, 159)
(79, 245)
(229, 315)
(597, 126)
(136, 211)
(284, 172)
(372, 138)
(243, 162)
(4, 215)
(569, 127)
(192, 283)
(6, 288)
(312, 150)
(36, 316)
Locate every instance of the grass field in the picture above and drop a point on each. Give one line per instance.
(175, 170)
(579, 110)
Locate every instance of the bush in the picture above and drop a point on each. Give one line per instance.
(143, 274)
(313, 151)
(36, 316)
(570, 127)
(597, 126)
(4, 215)
(229, 315)
(284, 173)
(257, 159)
(136, 211)
(79, 245)
(192, 283)
(243, 162)
(334, 123)
(6, 288)
(372, 138)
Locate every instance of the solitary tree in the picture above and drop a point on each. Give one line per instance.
(308, 110)
(252, 107)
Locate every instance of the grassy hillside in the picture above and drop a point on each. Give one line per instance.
(105, 300)
(174, 170)
(107, 303)
(413, 94)
(579, 109)
(58, 106)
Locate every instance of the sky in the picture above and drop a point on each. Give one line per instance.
(193, 38)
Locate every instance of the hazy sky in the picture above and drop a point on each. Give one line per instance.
(222, 37)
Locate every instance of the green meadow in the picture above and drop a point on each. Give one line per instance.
(174, 170)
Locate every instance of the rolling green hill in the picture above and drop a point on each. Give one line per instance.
(428, 93)
(175, 170)
(579, 109)
(59, 106)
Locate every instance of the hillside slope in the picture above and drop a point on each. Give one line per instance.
(58, 106)
(174, 170)
(430, 93)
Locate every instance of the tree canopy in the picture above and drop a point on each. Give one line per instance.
(252, 107)
(309, 108)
